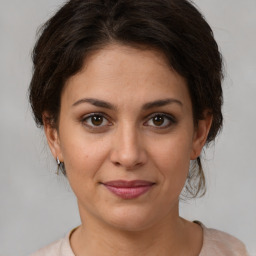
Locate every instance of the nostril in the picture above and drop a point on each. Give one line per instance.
(129, 157)
(117, 163)
(136, 165)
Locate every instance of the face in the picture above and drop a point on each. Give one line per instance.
(126, 136)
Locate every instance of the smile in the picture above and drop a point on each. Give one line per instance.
(128, 189)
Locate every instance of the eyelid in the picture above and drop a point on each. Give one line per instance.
(170, 117)
(83, 119)
(172, 120)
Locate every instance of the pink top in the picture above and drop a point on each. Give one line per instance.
(215, 243)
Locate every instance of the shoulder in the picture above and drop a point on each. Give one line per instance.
(58, 248)
(51, 249)
(216, 242)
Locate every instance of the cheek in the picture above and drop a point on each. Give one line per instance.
(172, 158)
(83, 154)
(83, 162)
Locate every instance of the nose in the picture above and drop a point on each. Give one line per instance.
(127, 148)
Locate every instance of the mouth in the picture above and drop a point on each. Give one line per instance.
(128, 189)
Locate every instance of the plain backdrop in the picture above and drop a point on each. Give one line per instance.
(38, 207)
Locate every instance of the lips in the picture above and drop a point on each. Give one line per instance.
(128, 189)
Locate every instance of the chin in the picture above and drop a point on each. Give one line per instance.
(131, 219)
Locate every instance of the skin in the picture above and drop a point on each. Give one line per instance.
(127, 144)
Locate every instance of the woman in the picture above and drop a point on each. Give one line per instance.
(128, 93)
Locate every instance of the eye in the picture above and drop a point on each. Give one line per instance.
(95, 120)
(160, 120)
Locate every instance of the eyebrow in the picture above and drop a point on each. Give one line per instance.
(95, 102)
(161, 103)
(149, 105)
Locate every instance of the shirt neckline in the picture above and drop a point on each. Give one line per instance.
(66, 245)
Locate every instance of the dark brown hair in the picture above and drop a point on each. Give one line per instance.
(174, 27)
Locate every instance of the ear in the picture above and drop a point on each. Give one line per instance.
(200, 134)
(52, 137)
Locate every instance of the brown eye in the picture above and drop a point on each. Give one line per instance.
(95, 120)
(158, 120)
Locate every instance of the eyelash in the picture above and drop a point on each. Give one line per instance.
(170, 119)
(90, 116)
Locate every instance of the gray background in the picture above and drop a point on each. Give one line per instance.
(37, 207)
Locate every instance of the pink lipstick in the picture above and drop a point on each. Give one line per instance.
(128, 189)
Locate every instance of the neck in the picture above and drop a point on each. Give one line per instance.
(170, 236)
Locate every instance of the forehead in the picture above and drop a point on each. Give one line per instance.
(124, 73)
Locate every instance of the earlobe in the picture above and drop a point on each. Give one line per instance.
(52, 137)
(201, 134)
